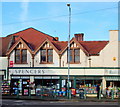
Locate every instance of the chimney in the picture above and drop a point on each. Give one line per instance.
(79, 36)
(56, 38)
(114, 36)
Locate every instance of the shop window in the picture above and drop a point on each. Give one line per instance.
(74, 55)
(47, 56)
(20, 56)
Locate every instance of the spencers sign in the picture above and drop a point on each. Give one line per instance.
(26, 71)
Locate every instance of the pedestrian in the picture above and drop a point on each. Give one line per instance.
(98, 90)
(108, 91)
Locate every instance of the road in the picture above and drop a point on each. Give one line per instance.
(37, 103)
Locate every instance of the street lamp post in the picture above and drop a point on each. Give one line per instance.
(68, 84)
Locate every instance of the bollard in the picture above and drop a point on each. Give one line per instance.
(112, 94)
(29, 93)
(85, 93)
(41, 93)
(100, 94)
(17, 93)
(69, 94)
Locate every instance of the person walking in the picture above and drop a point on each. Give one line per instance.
(98, 90)
(109, 91)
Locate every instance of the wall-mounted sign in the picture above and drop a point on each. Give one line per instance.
(114, 58)
(49, 72)
(111, 71)
(11, 64)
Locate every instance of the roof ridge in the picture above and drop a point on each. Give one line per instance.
(60, 41)
(28, 29)
(19, 31)
(95, 41)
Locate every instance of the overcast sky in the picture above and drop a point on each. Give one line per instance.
(94, 19)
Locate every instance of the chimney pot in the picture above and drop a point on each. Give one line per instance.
(79, 36)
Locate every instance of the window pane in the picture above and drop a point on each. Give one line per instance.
(71, 58)
(71, 52)
(43, 55)
(50, 58)
(43, 58)
(43, 52)
(50, 52)
(77, 52)
(77, 58)
(24, 55)
(17, 56)
(77, 55)
(50, 55)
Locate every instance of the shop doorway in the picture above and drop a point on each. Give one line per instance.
(14, 86)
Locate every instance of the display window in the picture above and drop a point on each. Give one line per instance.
(25, 86)
(5, 87)
(88, 85)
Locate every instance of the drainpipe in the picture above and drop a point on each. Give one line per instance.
(89, 61)
(7, 72)
(32, 60)
(60, 60)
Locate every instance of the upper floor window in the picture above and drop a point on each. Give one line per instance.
(21, 56)
(74, 55)
(47, 56)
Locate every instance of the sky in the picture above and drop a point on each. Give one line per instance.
(94, 19)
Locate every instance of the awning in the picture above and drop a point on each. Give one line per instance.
(112, 78)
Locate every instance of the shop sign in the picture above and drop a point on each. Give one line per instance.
(11, 63)
(26, 71)
(111, 71)
(63, 72)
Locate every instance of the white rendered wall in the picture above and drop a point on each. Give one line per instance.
(29, 60)
(111, 51)
(119, 54)
(3, 62)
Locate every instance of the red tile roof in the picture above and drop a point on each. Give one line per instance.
(60, 45)
(34, 38)
(5, 42)
(93, 47)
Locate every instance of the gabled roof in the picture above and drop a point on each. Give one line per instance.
(93, 47)
(18, 41)
(33, 37)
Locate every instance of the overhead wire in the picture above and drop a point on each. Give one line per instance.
(52, 17)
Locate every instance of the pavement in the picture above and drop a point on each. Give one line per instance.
(88, 99)
(67, 103)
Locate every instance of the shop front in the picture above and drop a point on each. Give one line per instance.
(53, 81)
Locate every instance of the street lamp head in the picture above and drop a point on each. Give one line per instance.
(68, 4)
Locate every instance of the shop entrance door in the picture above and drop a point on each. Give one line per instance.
(14, 86)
